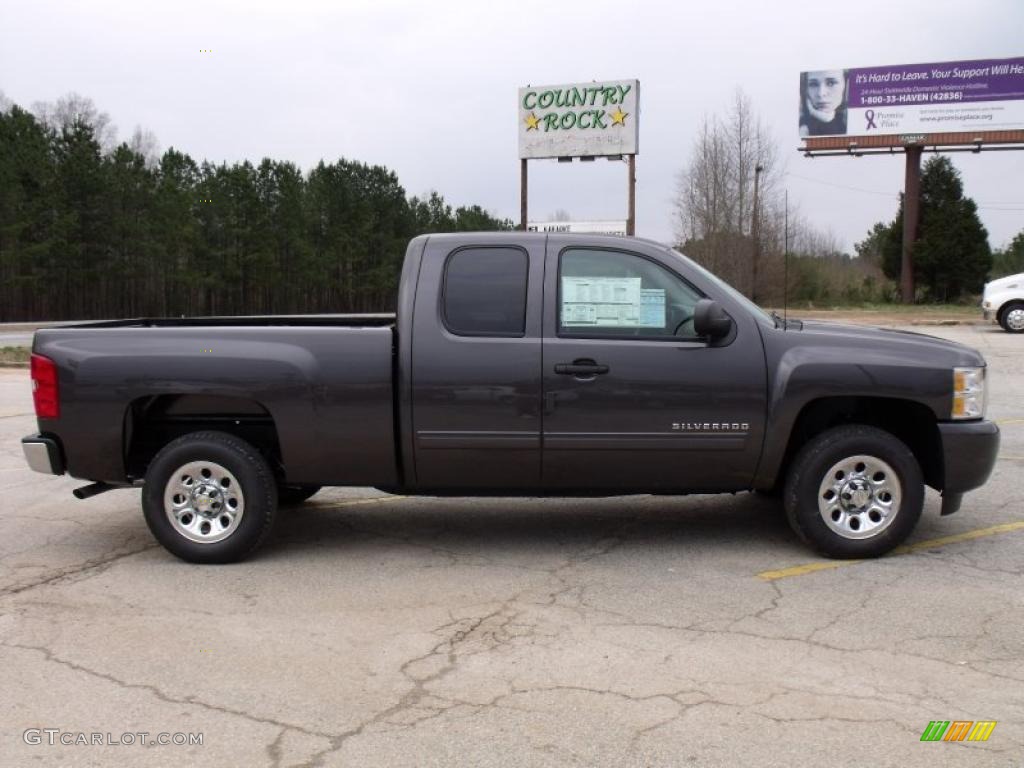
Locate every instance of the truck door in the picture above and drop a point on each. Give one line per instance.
(633, 399)
(476, 364)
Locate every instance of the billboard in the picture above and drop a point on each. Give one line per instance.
(579, 119)
(949, 97)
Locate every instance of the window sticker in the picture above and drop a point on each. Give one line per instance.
(652, 307)
(602, 302)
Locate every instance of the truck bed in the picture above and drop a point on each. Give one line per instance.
(322, 383)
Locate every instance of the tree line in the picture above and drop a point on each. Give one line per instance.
(90, 228)
(1009, 260)
(93, 228)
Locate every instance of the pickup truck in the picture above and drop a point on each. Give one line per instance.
(1003, 302)
(517, 364)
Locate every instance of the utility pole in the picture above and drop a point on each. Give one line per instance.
(785, 264)
(755, 232)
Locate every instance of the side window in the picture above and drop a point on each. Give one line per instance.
(610, 293)
(485, 292)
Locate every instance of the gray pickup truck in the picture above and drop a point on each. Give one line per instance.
(517, 364)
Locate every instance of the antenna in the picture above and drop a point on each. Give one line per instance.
(785, 264)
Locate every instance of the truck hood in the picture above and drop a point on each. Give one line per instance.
(1004, 282)
(872, 342)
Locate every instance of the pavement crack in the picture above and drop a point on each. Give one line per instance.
(274, 751)
(418, 699)
(192, 701)
(98, 564)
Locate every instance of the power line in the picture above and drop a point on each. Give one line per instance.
(842, 186)
(994, 205)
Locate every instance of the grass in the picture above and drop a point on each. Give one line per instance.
(15, 355)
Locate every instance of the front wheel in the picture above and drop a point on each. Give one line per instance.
(854, 491)
(209, 497)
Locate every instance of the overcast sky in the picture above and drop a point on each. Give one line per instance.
(429, 89)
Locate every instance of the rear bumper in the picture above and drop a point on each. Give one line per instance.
(43, 454)
(969, 452)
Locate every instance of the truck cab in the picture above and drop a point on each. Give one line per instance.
(589, 348)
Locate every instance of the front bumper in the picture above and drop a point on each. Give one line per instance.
(969, 451)
(43, 454)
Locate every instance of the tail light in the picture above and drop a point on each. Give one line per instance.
(45, 393)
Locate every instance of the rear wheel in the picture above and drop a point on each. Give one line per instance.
(854, 491)
(209, 497)
(1011, 317)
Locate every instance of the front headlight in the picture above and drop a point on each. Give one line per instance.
(968, 393)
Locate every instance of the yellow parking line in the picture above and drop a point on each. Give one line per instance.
(1012, 458)
(1000, 422)
(958, 537)
(800, 570)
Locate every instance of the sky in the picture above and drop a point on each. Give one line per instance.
(430, 89)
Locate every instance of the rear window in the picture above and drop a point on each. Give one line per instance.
(485, 292)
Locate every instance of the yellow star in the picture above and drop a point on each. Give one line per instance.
(531, 122)
(619, 117)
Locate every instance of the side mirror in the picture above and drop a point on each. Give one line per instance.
(710, 320)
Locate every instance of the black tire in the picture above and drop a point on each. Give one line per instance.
(242, 471)
(291, 495)
(1004, 316)
(819, 457)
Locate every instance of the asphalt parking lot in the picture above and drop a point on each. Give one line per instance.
(632, 631)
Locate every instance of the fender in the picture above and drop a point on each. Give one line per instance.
(812, 371)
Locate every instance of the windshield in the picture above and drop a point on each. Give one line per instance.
(719, 283)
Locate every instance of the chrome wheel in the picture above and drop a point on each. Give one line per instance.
(1015, 319)
(859, 497)
(203, 502)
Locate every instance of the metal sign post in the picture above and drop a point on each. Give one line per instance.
(631, 217)
(911, 221)
(523, 194)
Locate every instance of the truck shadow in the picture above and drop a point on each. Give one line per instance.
(494, 526)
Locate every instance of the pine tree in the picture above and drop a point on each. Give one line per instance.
(82, 228)
(27, 209)
(951, 255)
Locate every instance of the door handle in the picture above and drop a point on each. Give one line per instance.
(581, 368)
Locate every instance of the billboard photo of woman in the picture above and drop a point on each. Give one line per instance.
(823, 95)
